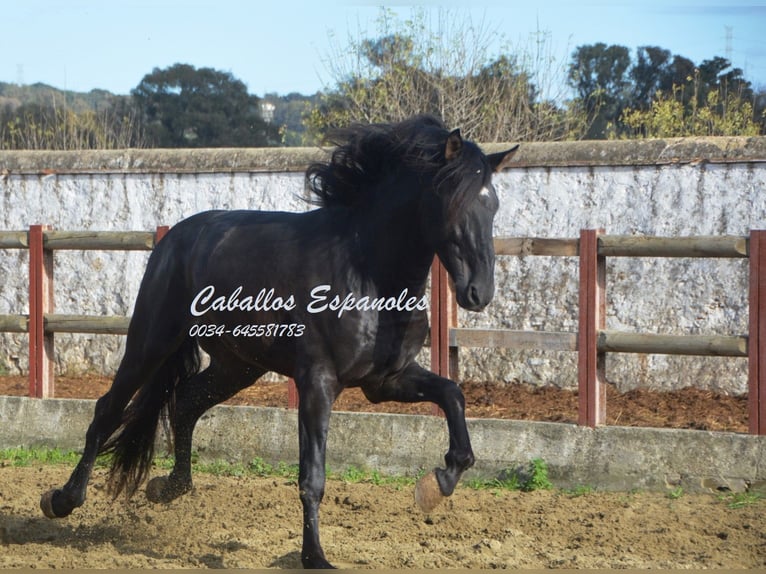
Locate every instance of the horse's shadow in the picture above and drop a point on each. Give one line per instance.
(23, 530)
(19, 530)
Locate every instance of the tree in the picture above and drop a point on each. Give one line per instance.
(443, 68)
(599, 75)
(710, 102)
(660, 95)
(648, 75)
(186, 107)
(759, 109)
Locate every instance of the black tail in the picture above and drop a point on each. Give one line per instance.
(132, 446)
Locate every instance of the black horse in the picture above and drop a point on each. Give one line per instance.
(332, 297)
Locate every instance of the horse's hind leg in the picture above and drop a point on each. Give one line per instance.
(205, 390)
(132, 373)
(155, 342)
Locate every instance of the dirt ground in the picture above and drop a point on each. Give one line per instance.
(686, 408)
(229, 522)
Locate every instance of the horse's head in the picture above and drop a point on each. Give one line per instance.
(469, 203)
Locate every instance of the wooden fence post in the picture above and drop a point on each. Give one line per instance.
(41, 350)
(756, 345)
(590, 367)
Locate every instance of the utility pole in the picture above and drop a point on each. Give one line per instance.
(729, 42)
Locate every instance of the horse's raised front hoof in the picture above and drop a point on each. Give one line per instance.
(428, 494)
(162, 489)
(46, 505)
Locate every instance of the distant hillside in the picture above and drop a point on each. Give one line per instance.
(284, 111)
(14, 95)
(288, 112)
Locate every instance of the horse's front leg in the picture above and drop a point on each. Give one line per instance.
(317, 394)
(415, 385)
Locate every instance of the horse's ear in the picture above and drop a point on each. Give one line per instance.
(454, 145)
(499, 161)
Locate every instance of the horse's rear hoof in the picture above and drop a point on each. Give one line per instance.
(428, 495)
(163, 489)
(155, 489)
(46, 505)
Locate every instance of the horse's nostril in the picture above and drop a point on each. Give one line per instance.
(473, 296)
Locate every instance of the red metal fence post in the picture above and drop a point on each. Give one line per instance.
(443, 319)
(437, 309)
(41, 377)
(451, 321)
(440, 322)
(162, 231)
(756, 345)
(592, 392)
(292, 394)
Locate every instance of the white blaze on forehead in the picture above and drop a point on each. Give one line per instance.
(484, 192)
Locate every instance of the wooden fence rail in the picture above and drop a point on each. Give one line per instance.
(592, 340)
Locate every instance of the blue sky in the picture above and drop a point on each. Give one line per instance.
(283, 46)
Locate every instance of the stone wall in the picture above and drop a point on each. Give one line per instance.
(714, 186)
(605, 458)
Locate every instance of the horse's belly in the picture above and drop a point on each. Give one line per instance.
(354, 348)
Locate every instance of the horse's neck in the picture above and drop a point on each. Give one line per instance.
(393, 249)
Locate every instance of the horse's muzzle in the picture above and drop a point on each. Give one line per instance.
(473, 297)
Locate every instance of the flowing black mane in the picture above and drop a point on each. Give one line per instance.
(366, 154)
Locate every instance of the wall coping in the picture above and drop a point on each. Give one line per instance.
(649, 152)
